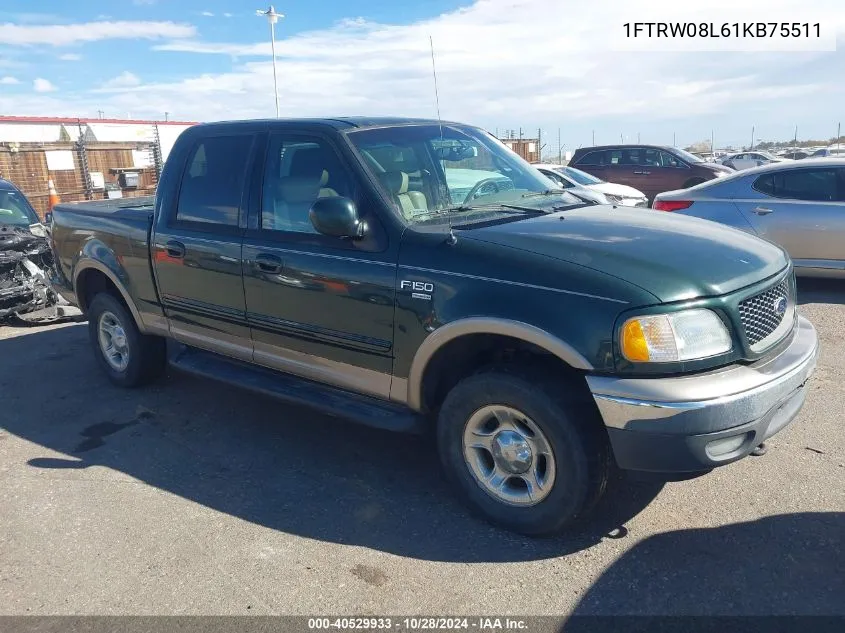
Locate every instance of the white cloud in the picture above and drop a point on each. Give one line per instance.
(68, 34)
(123, 80)
(70, 57)
(207, 14)
(43, 85)
(506, 63)
(9, 81)
(227, 15)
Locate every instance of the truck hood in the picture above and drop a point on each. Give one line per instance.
(672, 257)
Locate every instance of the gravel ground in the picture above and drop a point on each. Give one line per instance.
(190, 497)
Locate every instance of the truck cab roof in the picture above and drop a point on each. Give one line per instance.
(337, 123)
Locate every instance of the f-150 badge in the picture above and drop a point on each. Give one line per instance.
(419, 289)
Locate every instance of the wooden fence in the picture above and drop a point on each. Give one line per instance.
(26, 166)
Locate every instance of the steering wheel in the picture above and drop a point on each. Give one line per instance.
(479, 186)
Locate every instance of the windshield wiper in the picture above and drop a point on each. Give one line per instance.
(547, 192)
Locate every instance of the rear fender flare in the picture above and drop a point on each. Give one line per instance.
(87, 264)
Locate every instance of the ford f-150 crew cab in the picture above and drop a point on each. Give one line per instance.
(414, 275)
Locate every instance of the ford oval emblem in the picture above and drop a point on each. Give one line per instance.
(780, 306)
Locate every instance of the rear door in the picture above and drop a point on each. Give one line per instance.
(803, 210)
(197, 247)
(594, 163)
(619, 169)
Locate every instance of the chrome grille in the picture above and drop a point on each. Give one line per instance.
(759, 314)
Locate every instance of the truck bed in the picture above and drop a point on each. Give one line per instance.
(130, 208)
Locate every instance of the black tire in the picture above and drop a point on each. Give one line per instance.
(572, 428)
(692, 182)
(147, 355)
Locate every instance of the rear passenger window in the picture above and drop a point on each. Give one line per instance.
(213, 182)
(614, 156)
(816, 185)
(632, 156)
(593, 158)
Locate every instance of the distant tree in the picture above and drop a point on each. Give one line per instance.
(700, 146)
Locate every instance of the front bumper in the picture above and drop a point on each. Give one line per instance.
(689, 424)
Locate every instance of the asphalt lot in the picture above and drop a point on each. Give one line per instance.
(190, 497)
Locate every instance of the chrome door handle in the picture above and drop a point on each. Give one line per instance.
(762, 211)
(642, 173)
(269, 264)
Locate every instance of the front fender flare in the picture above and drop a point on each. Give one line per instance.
(485, 325)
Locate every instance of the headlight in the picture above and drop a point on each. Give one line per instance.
(613, 198)
(677, 336)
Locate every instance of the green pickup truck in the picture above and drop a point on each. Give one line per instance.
(419, 276)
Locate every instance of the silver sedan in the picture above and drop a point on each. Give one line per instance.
(797, 204)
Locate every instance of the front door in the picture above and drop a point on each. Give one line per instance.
(319, 307)
(197, 248)
(803, 210)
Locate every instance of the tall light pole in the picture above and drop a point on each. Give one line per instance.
(272, 18)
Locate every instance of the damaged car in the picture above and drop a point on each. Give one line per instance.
(26, 263)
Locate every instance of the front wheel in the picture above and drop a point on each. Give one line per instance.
(128, 357)
(524, 453)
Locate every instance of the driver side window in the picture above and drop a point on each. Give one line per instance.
(298, 171)
(669, 160)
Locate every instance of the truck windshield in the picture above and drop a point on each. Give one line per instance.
(15, 210)
(426, 169)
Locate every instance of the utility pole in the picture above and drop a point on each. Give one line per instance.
(559, 149)
(272, 18)
(752, 137)
(166, 115)
(638, 138)
(713, 142)
(100, 114)
(795, 140)
(674, 143)
(838, 133)
(539, 143)
(594, 138)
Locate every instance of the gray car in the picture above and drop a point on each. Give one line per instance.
(797, 204)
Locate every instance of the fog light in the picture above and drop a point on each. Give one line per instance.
(726, 445)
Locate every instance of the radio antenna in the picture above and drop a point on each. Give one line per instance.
(452, 238)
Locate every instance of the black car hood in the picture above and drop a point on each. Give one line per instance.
(673, 257)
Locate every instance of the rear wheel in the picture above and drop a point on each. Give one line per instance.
(128, 357)
(520, 452)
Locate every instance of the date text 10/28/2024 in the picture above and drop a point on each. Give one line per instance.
(759, 30)
(418, 624)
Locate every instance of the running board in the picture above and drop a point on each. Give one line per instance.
(355, 407)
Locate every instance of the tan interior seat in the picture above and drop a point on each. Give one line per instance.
(410, 202)
(287, 201)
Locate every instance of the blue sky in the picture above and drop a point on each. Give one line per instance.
(501, 64)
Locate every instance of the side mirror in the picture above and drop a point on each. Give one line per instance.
(337, 216)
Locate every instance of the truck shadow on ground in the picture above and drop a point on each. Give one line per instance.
(254, 458)
(789, 564)
(830, 291)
